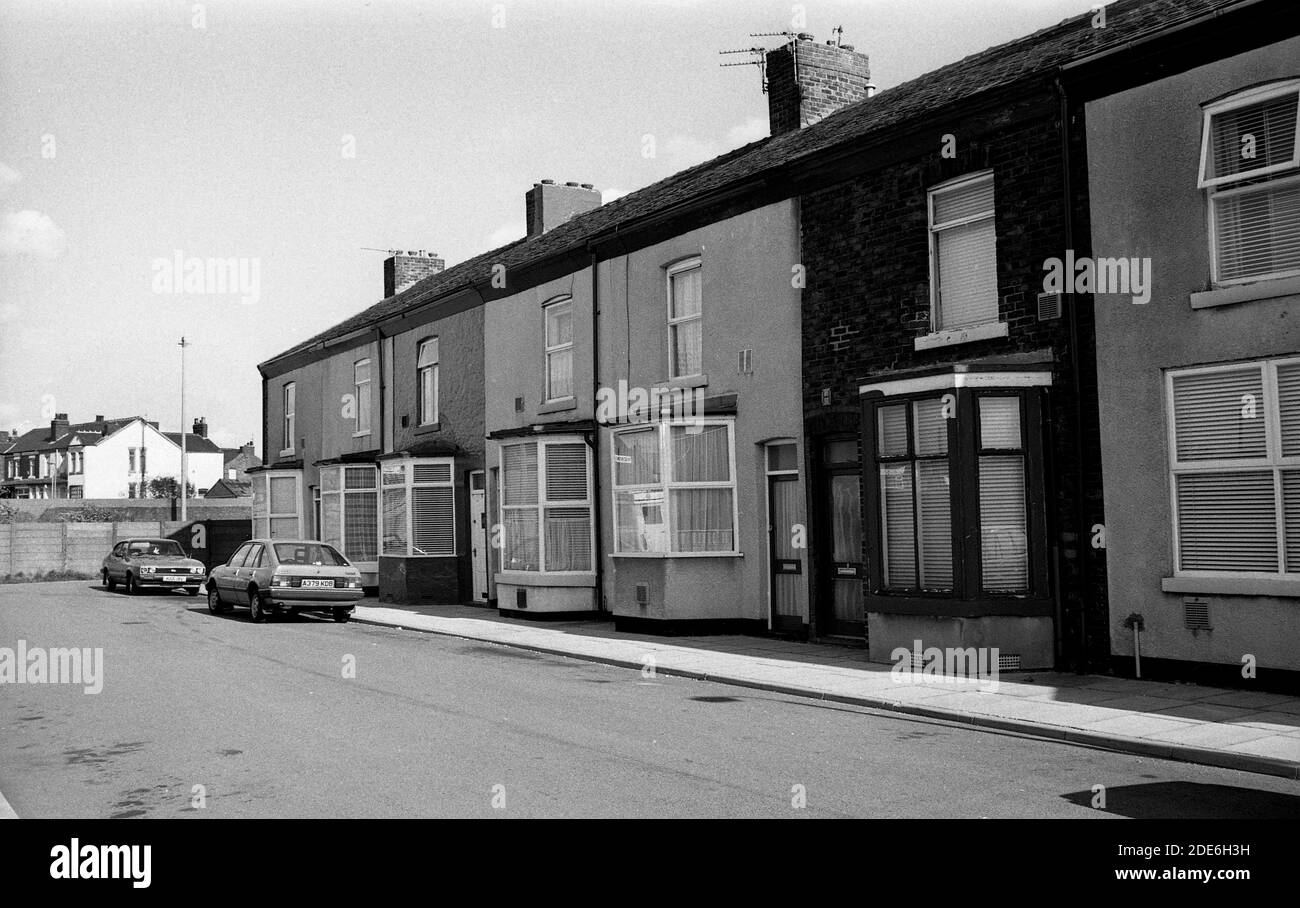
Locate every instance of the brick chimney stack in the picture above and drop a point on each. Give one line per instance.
(402, 269)
(201, 427)
(58, 425)
(807, 81)
(548, 205)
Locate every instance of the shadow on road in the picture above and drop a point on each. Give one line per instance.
(1192, 800)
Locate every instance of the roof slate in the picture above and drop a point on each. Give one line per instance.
(1037, 54)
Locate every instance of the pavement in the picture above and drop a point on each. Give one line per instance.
(1249, 731)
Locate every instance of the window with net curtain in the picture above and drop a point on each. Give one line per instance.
(276, 504)
(349, 500)
(1235, 458)
(919, 474)
(685, 319)
(963, 247)
(558, 318)
(674, 491)
(1250, 167)
(546, 506)
(426, 366)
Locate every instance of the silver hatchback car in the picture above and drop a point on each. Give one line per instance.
(271, 576)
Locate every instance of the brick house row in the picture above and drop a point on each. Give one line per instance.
(823, 384)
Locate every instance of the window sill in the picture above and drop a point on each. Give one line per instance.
(685, 381)
(1244, 293)
(960, 336)
(1232, 586)
(287, 452)
(428, 427)
(558, 405)
(364, 434)
(547, 578)
(676, 555)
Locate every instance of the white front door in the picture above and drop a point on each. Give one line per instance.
(478, 533)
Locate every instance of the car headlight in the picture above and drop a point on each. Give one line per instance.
(196, 570)
(147, 569)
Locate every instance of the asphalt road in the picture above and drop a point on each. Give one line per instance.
(262, 717)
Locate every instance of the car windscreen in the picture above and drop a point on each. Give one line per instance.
(307, 553)
(157, 547)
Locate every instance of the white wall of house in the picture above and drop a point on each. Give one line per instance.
(108, 473)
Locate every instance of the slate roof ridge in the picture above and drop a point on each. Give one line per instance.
(1023, 57)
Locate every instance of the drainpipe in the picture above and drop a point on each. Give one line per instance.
(1082, 530)
(1138, 625)
(379, 362)
(595, 435)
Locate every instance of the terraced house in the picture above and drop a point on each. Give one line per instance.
(1194, 167)
(820, 385)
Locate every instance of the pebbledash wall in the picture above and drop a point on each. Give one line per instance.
(748, 383)
(868, 300)
(1144, 148)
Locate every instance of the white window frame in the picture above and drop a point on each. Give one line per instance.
(361, 388)
(553, 349)
(289, 422)
(543, 502)
(693, 263)
(1246, 98)
(341, 489)
(423, 403)
(407, 467)
(1219, 188)
(667, 484)
(933, 229)
(1273, 462)
(263, 520)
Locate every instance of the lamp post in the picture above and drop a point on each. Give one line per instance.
(184, 435)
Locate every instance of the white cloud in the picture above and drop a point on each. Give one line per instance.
(610, 194)
(8, 313)
(8, 177)
(684, 151)
(506, 233)
(31, 233)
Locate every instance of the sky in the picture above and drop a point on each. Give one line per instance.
(290, 135)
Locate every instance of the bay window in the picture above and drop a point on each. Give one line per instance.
(546, 506)
(954, 491)
(675, 488)
(1235, 464)
(349, 510)
(419, 507)
(277, 509)
(1250, 165)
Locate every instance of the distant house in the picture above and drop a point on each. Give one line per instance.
(230, 488)
(238, 460)
(104, 458)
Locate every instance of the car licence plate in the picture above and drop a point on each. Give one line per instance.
(319, 583)
(174, 578)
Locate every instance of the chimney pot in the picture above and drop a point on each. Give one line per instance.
(548, 205)
(806, 84)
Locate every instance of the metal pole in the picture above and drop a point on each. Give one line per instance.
(184, 433)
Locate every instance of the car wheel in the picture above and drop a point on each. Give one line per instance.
(257, 612)
(109, 583)
(131, 587)
(214, 601)
(342, 614)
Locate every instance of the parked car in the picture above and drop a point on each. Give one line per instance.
(282, 575)
(141, 564)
